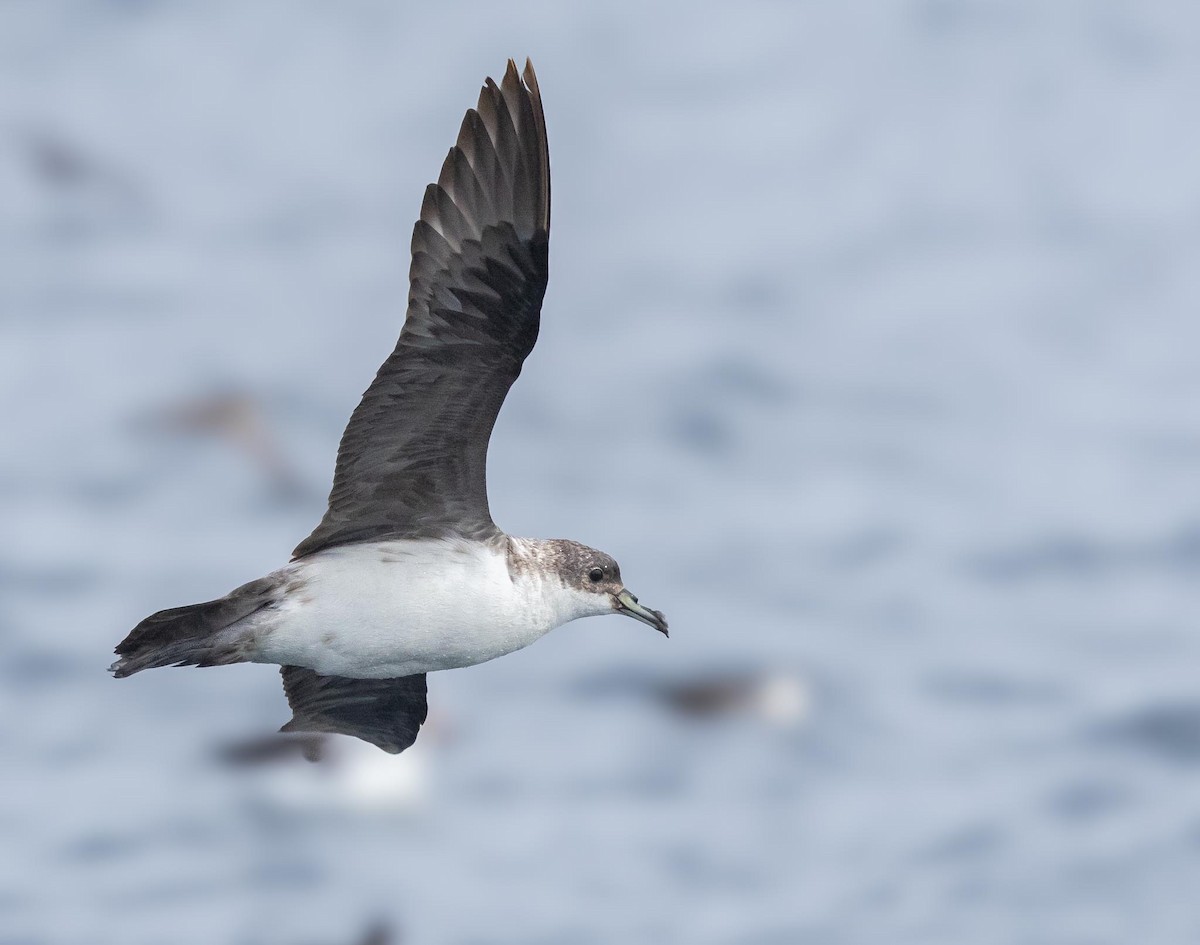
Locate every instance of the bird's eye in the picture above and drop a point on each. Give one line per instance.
(596, 575)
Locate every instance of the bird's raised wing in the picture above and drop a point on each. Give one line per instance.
(412, 462)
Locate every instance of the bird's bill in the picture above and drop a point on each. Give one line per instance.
(625, 603)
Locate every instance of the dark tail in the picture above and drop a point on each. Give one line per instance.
(192, 635)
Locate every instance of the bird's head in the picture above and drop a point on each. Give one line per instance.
(590, 582)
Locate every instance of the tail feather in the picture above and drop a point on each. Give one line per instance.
(192, 635)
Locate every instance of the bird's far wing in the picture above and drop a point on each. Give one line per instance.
(385, 712)
(412, 462)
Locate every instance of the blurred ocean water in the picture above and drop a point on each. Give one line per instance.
(870, 351)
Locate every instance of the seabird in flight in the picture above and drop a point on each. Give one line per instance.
(406, 573)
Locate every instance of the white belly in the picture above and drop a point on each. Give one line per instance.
(394, 608)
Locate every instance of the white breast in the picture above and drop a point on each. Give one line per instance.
(378, 610)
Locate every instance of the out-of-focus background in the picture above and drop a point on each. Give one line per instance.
(870, 350)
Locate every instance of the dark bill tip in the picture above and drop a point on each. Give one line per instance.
(625, 603)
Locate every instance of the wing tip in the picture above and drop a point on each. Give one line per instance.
(525, 75)
(530, 78)
(503, 133)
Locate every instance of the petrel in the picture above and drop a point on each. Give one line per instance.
(406, 573)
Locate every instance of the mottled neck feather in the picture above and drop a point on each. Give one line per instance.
(542, 557)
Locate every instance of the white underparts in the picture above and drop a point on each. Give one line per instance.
(385, 609)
